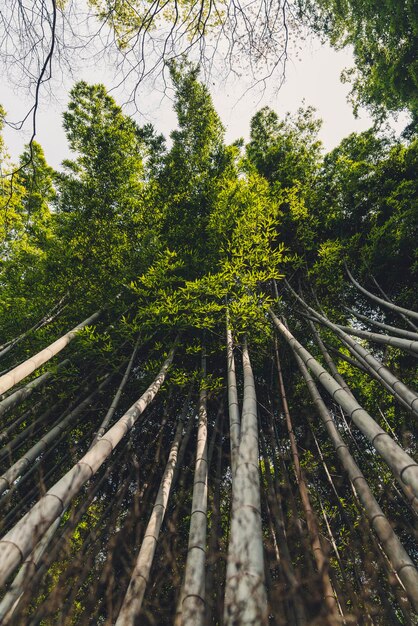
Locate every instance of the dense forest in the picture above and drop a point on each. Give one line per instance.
(208, 361)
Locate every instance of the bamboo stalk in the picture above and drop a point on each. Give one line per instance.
(193, 605)
(397, 554)
(20, 541)
(14, 376)
(403, 466)
(245, 592)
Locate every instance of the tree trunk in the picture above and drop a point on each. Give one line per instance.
(14, 376)
(245, 593)
(132, 602)
(402, 465)
(193, 604)
(20, 541)
(397, 554)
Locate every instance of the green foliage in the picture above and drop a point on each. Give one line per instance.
(102, 216)
(287, 151)
(130, 19)
(173, 242)
(192, 170)
(384, 38)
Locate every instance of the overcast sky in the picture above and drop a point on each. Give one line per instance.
(313, 77)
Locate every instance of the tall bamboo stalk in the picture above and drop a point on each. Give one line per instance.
(328, 360)
(317, 549)
(279, 531)
(14, 376)
(19, 467)
(132, 601)
(194, 591)
(107, 418)
(233, 407)
(403, 466)
(21, 395)
(47, 319)
(20, 541)
(395, 551)
(245, 593)
(32, 566)
(410, 345)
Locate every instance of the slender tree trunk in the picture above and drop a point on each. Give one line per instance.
(14, 376)
(376, 374)
(107, 418)
(234, 419)
(318, 552)
(397, 386)
(403, 466)
(185, 440)
(33, 427)
(328, 359)
(18, 468)
(18, 421)
(406, 489)
(132, 602)
(20, 541)
(282, 548)
(345, 357)
(386, 297)
(20, 395)
(245, 593)
(384, 303)
(409, 345)
(212, 590)
(194, 591)
(47, 319)
(406, 334)
(397, 554)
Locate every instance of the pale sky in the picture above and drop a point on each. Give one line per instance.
(313, 77)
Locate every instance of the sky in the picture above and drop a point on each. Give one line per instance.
(313, 78)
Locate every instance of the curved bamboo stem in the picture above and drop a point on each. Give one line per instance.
(403, 466)
(407, 334)
(398, 387)
(386, 340)
(384, 303)
(395, 551)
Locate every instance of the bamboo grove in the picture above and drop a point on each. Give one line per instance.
(208, 365)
